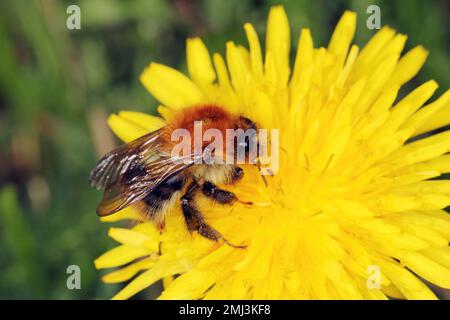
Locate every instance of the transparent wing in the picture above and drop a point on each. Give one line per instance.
(133, 170)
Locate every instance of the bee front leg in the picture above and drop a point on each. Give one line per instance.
(212, 191)
(237, 174)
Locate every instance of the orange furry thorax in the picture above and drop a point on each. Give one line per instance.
(211, 117)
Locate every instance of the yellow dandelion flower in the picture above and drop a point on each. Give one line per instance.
(353, 197)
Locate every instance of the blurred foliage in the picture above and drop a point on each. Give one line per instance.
(58, 85)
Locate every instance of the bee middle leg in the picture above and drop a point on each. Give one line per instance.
(221, 196)
(194, 218)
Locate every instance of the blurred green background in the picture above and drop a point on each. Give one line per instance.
(57, 87)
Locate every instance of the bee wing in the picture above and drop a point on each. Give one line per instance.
(133, 170)
(112, 166)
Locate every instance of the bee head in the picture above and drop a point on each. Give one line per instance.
(246, 139)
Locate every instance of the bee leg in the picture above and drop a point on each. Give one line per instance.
(237, 174)
(195, 220)
(161, 225)
(193, 217)
(212, 191)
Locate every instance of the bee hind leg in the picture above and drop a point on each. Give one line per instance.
(194, 218)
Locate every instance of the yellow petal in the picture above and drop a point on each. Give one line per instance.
(440, 117)
(199, 61)
(351, 58)
(237, 66)
(221, 69)
(343, 36)
(167, 281)
(170, 87)
(372, 49)
(128, 213)
(384, 101)
(439, 120)
(406, 282)
(132, 238)
(255, 50)
(143, 120)
(433, 116)
(409, 65)
(426, 268)
(421, 150)
(278, 42)
(166, 112)
(392, 291)
(391, 49)
(423, 232)
(439, 214)
(439, 255)
(353, 209)
(408, 105)
(440, 164)
(190, 285)
(303, 66)
(146, 279)
(432, 222)
(423, 187)
(119, 256)
(126, 273)
(125, 129)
